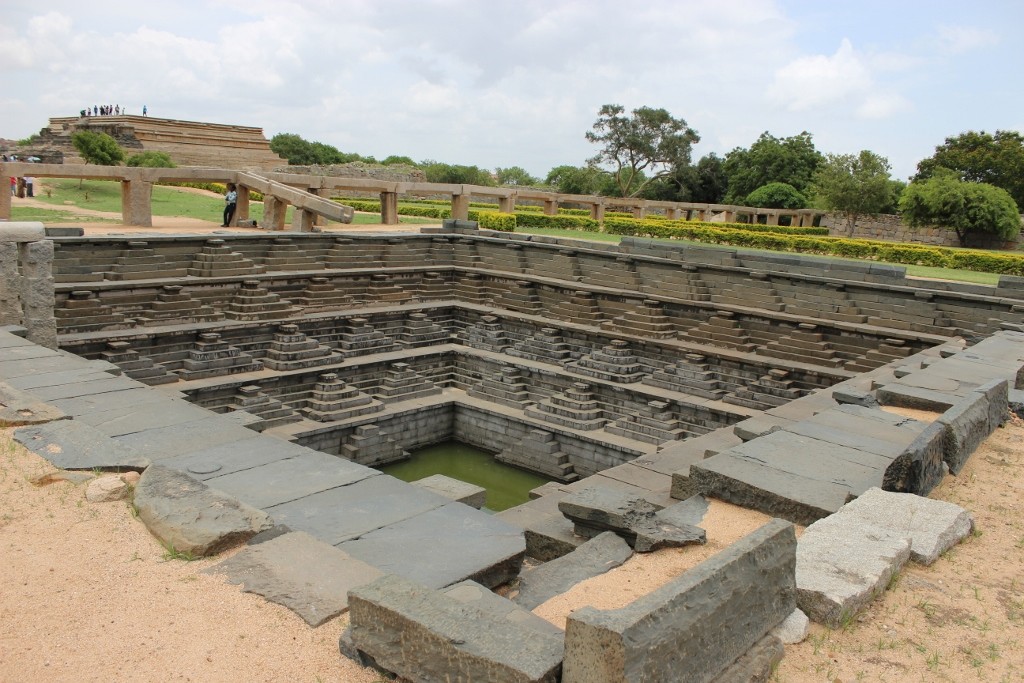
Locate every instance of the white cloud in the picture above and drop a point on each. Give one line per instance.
(883, 105)
(957, 40)
(817, 80)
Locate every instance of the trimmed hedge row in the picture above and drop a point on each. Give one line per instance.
(219, 188)
(560, 222)
(493, 220)
(940, 257)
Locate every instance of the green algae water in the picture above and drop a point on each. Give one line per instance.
(506, 486)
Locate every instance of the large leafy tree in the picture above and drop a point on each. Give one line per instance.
(791, 160)
(573, 179)
(456, 174)
(966, 208)
(151, 159)
(979, 157)
(777, 196)
(514, 175)
(854, 185)
(301, 152)
(97, 148)
(641, 148)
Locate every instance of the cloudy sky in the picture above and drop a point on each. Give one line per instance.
(497, 83)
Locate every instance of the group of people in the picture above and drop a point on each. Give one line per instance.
(107, 110)
(20, 187)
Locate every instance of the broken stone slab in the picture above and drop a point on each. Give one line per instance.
(700, 622)
(461, 492)
(189, 516)
(424, 635)
(841, 566)
(933, 526)
(71, 445)
(754, 427)
(756, 665)
(595, 557)
(969, 422)
(109, 487)
(475, 595)
(18, 408)
(688, 512)
(309, 577)
(857, 397)
(597, 509)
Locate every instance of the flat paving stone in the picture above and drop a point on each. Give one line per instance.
(11, 368)
(283, 481)
(640, 477)
(595, 557)
(104, 386)
(308, 576)
(164, 442)
(18, 407)
(479, 597)
(49, 379)
(71, 445)
(443, 546)
(131, 419)
(343, 513)
(234, 456)
(84, 405)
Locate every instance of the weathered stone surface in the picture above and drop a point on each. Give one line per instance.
(596, 509)
(451, 543)
(689, 512)
(21, 408)
(849, 395)
(970, 421)
(475, 595)
(461, 492)
(425, 636)
(595, 557)
(794, 629)
(107, 488)
(309, 577)
(71, 445)
(62, 475)
(842, 565)
(698, 623)
(189, 516)
(756, 664)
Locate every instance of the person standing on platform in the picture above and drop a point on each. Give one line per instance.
(231, 199)
(144, 110)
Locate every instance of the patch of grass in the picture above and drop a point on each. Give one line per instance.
(172, 553)
(31, 213)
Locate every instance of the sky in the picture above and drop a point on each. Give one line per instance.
(496, 83)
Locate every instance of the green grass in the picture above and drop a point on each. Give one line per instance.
(28, 213)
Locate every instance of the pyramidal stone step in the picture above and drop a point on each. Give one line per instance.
(470, 287)
(291, 349)
(574, 408)
(84, 312)
(210, 356)
(270, 411)
(139, 262)
(539, 451)
(253, 302)
(434, 286)
(546, 346)
(403, 383)
(217, 260)
(348, 253)
(321, 295)
(693, 375)
(722, 329)
(174, 305)
(656, 425)
(284, 255)
(580, 308)
(649, 320)
(138, 367)
(520, 296)
(418, 330)
(487, 335)
(333, 400)
(614, 363)
(381, 290)
(507, 386)
(361, 338)
(371, 446)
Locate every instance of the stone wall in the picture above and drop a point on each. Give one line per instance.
(398, 173)
(890, 228)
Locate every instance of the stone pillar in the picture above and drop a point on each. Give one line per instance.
(673, 214)
(137, 203)
(507, 204)
(319, 220)
(5, 197)
(639, 211)
(273, 212)
(597, 211)
(389, 208)
(550, 207)
(773, 218)
(26, 281)
(303, 220)
(460, 207)
(242, 207)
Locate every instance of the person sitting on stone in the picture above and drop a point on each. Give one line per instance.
(231, 197)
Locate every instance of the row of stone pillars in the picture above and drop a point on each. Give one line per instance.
(26, 281)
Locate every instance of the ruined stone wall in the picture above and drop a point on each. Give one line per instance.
(890, 228)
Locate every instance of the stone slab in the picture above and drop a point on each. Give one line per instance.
(502, 609)
(348, 512)
(18, 408)
(187, 515)
(131, 419)
(640, 477)
(689, 512)
(461, 492)
(595, 557)
(188, 437)
(282, 481)
(443, 546)
(84, 405)
(234, 456)
(596, 509)
(699, 622)
(309, 577)
(49, 379)
(96, 387)
(422, 635)
(71, 445)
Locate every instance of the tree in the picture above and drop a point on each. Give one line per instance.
(395, 160)
(300, 152)
(978, 157)
(514, 175)
(573, 179)
(854, 185)
(791, 160)
(708, 181)
(455, 174)
(946, 201)
(97, 148)
(777, 196)
(641, 147)
(151, 159)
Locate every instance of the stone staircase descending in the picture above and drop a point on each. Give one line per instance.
(334, 400)
(539, 451)
(574, 408)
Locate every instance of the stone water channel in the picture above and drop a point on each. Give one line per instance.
(506, 486)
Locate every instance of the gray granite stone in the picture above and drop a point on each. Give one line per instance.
(597, 509)
(309, 577)
(595, 557)
(71, 445)
(461, 492)
(234, 456)
(18, 407)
